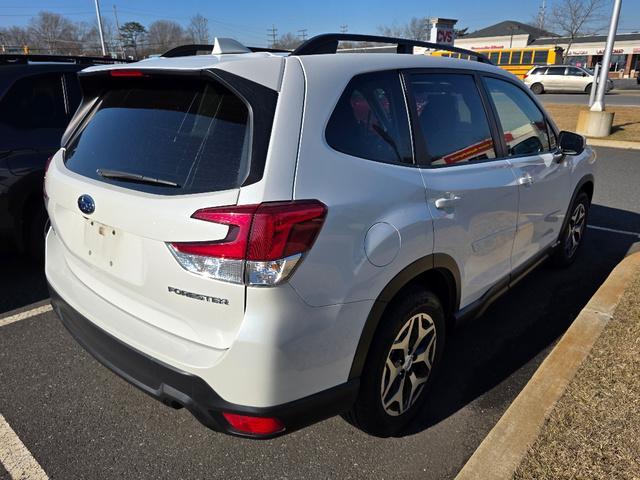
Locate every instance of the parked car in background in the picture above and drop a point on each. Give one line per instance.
(561, 78)
(38, 96)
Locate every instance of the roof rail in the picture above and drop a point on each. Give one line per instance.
(193, 49)
(328, 43)
(18, 58)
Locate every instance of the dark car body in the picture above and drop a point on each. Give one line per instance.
(38, 97)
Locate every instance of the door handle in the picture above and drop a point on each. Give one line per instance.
(525, 180)
(447, 202)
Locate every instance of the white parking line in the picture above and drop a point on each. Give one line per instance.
(24, 315)
(15, 457)
(613, 230)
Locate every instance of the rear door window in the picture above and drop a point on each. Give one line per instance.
(523, 124)
(371, 121)
(192, 136)
(35, 102)
(451, 118)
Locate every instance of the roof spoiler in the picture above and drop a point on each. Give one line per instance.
(220, 46)
(328, 43)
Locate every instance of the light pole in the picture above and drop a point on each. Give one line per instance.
(598, 105)
(597, 122)
(104, 50)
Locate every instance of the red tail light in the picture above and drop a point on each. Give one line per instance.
(269, 238)
(127, 73)
(254, 425)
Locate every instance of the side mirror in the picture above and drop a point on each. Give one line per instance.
(571, 143)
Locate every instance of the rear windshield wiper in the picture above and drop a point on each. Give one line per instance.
(134, 177)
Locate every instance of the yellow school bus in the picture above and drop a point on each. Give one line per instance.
(515, 60)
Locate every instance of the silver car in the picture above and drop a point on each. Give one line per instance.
(561, 78)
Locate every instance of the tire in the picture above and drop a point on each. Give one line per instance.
(573, 232)
(416, 315)
(587, 89)
(537, 88)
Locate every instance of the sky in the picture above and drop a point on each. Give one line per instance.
(249, 20)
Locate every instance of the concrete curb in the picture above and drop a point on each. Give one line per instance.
(600, 142)
(505, 446)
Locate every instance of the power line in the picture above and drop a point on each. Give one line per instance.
(344, 28)
(272, 34)
(302, 34)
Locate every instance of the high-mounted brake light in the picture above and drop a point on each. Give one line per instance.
(127, 73)
(263, 245)
(254, 425)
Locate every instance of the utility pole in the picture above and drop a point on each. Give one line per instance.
(598, 105)
(302, 33)
(104, 50)
(512, 28)
(542, 15)
(115, 14)
(273, 34)
(344, 28)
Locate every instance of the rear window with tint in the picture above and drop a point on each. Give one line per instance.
(191, 133)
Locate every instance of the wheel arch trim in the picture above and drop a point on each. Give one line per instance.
(588, 178)
(437, 262)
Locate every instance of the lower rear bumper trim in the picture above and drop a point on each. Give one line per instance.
(178, 389)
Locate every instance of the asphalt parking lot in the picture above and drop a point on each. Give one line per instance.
(78, 420)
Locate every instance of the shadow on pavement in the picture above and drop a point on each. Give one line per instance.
(522, 324)
(22, 280)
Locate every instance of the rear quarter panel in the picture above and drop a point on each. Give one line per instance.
(359, 194)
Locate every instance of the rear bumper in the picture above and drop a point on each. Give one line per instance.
(179, 389)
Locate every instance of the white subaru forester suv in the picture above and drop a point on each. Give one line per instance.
(272, 239)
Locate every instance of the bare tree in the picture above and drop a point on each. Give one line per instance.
(16, 37)
(53, 31)
(163, 35)
(417, 28)
(572, 18)
(394, 30)
(288, 41)
(198, 29)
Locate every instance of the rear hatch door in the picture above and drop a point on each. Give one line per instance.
(153, 150)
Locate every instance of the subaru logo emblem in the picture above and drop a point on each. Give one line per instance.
(86, 204)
